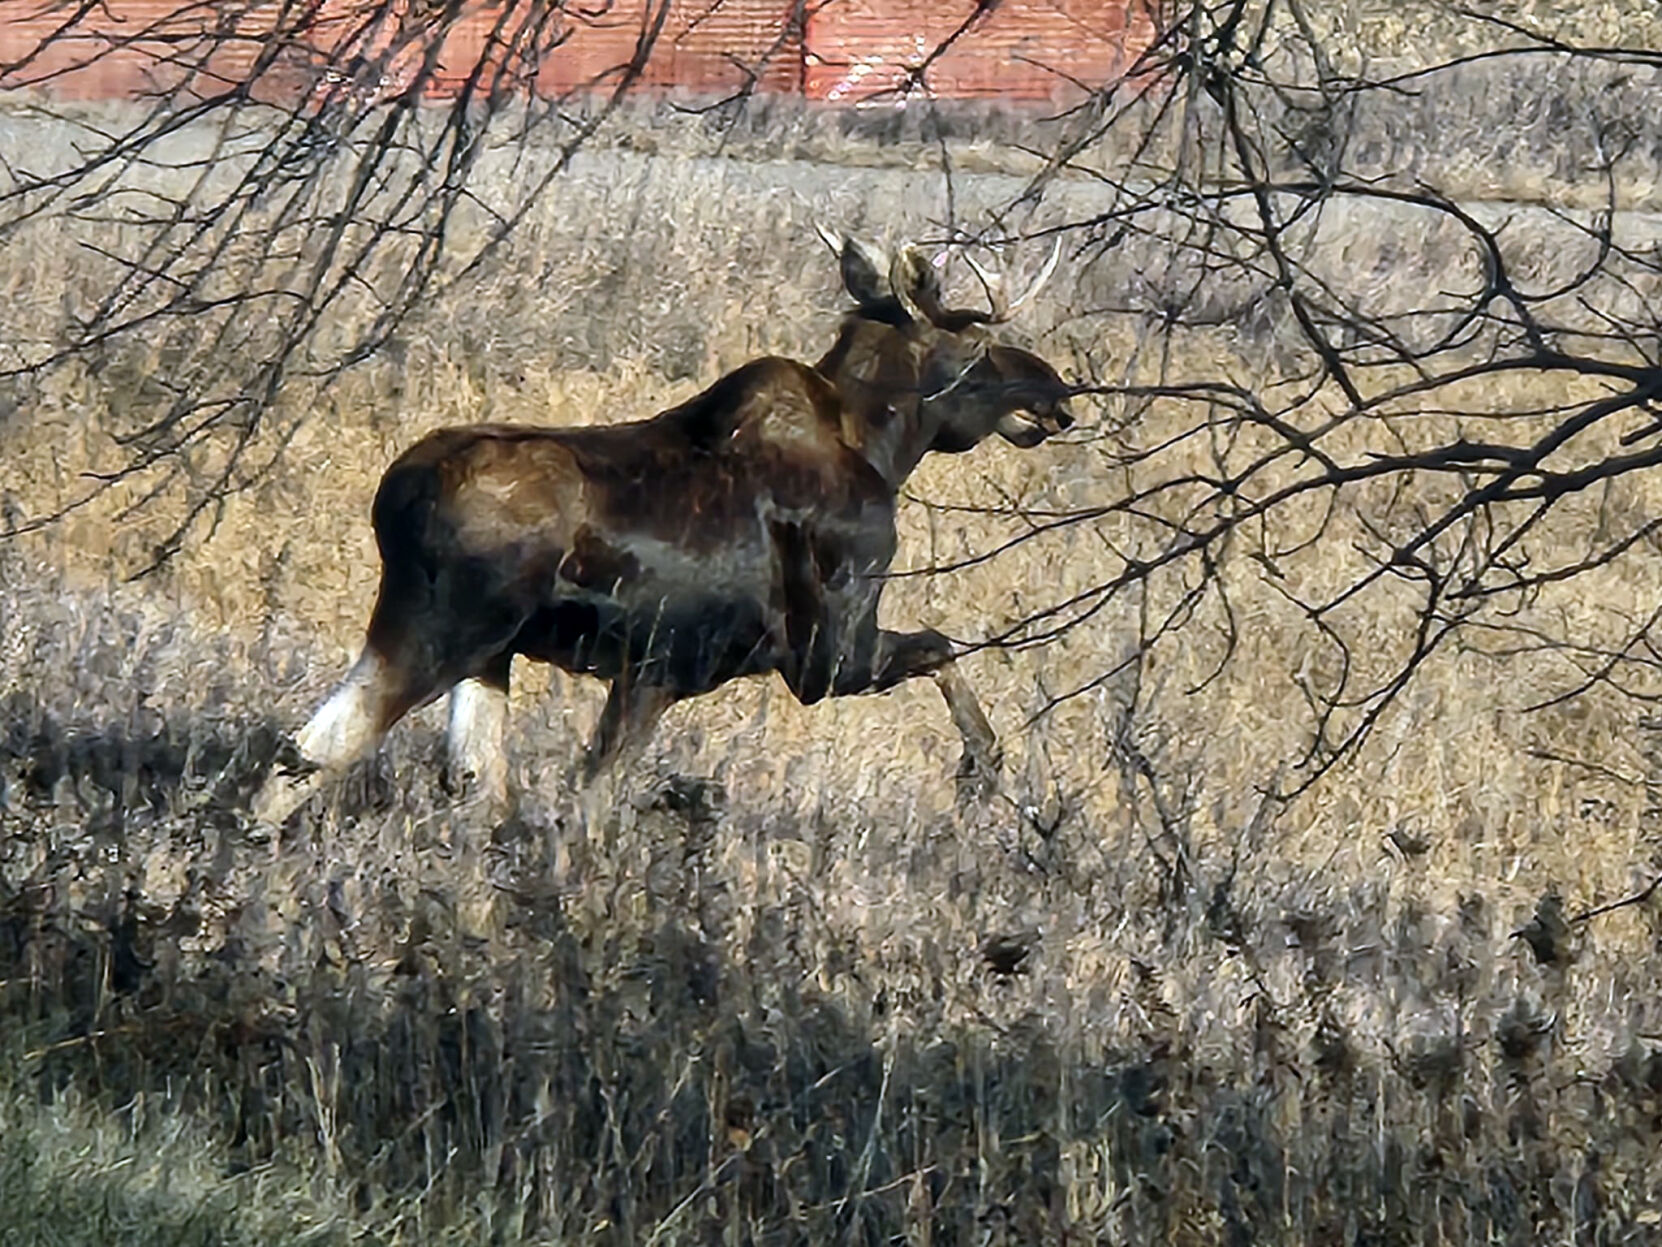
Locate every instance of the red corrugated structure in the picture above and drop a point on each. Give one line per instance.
(844, 51)
(1016, 50)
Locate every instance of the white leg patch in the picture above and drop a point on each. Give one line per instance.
(344, 727)
(478, 719)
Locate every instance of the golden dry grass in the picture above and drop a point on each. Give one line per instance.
(744, 997)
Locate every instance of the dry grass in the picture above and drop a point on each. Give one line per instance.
(743, 998)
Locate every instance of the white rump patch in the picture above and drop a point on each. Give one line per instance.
(344, 727)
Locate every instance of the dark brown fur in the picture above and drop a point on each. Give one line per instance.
(742, 532)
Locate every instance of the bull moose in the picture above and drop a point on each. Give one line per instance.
(742, 532)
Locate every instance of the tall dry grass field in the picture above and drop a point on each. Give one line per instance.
(745, 995)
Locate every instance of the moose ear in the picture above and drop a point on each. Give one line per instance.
(863, 267)
(917, 284)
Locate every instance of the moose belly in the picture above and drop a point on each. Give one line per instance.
(688, 641)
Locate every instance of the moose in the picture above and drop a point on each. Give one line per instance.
(745, 531)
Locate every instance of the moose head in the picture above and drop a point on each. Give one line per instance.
(917, 376)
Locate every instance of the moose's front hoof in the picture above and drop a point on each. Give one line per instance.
(978, 776)
(286, 758)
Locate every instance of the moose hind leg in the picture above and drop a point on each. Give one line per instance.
(353, 718)
(356, 715)
(632, 711)
(478, 721)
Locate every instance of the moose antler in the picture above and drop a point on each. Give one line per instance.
(1002, 307)
(916, 282)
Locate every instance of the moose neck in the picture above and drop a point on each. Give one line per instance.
(895, 441)
(884, 416)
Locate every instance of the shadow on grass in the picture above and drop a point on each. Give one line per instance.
(414, 1073)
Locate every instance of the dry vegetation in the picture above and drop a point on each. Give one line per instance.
(754, 994)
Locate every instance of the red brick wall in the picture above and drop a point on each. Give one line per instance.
(840, 50)
(115, 49)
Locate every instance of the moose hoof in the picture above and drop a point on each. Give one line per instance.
(977, 776)
(485, 791)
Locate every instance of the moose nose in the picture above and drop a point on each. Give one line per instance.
(1062, 416)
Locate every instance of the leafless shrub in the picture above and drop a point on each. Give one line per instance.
(696, 1021)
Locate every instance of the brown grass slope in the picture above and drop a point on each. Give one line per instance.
(749, 996)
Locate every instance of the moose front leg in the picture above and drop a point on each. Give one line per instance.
(901, 656)
(834, 647)
(978, 768)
